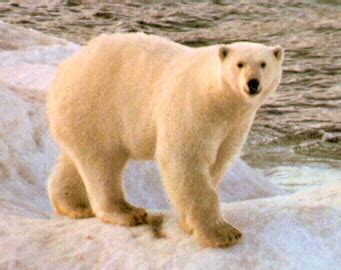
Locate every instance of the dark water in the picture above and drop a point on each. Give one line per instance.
(296, 138)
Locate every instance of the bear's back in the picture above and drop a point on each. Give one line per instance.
(136, 43)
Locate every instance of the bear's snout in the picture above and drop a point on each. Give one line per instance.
(253, 85)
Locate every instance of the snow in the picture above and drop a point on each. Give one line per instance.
(281, 231)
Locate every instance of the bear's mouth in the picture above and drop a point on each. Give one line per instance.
(252, 91)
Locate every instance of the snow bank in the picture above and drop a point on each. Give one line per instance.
(286, 232)
(15, 38)
(299, 231)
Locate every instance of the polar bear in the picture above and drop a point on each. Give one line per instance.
(138, 96)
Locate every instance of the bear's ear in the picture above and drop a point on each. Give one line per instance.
(278, 52)
(223, 52)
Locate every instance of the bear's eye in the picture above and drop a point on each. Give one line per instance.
(263, 65)
(240, 65)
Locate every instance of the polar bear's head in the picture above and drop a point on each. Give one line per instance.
(251, 70)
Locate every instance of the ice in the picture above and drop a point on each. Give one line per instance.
(281, 231)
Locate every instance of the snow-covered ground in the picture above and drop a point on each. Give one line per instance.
(281, 231)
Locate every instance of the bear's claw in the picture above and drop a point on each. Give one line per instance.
(124, 215)
(221, 235)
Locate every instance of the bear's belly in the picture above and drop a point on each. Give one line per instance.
(142, 148)
(139, 139)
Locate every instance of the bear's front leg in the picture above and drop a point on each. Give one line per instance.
(190, 189)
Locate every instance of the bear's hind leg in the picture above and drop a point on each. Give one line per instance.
(66, 190)
(102, 175)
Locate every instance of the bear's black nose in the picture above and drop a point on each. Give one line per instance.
(253, 85)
